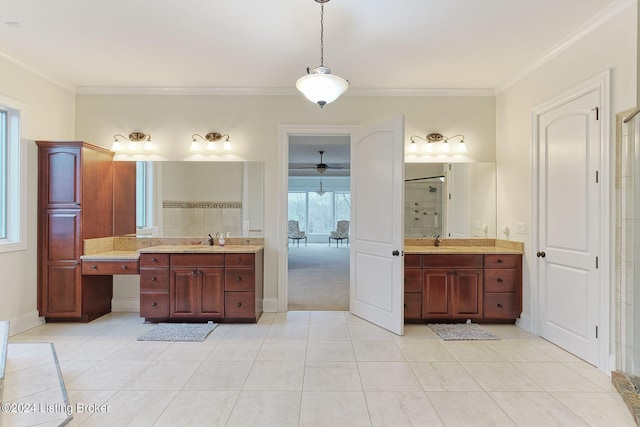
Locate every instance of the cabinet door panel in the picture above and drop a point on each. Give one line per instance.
(466, 294)
(239, 305)
(154, 279)
(154, 305)
(412, 280)
(501, 306)
(211, 295)
(436, 302)
(62, 235)
(61, 168)
(500, 279)
(62, 293)
(412, 305)
(239, 260)
(239, 279)
(183, 292)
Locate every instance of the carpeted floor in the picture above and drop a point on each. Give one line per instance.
(318, 277)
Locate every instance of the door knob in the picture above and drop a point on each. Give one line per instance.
(541, 254)
(395, 253)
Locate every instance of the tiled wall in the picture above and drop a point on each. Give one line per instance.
(423, 213)
(198, 219)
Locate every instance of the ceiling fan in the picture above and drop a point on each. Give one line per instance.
(321, 167)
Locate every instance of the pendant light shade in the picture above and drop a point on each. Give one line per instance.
(319, 85)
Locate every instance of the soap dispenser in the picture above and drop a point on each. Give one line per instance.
(221, 239)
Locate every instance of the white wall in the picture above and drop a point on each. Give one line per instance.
(612, 46)
(50, 115)
(252, 123)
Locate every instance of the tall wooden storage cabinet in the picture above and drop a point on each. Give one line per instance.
(75, 202)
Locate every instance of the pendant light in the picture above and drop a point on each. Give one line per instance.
(319, 85)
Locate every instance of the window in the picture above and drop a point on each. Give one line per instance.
(13, 209)
(318, 214)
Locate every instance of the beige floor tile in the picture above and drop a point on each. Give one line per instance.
(330, 409)
(328, 332)
(417, 331)
(519, 351)
(377, 351)
(25, 382)
(292, 317)
(388, 376)
(556, 376)
(328, 317)
(401, 409)
(93, 350)
(72, 369)
(535, 409)
(108, 375)
(330, 351)
(266, 408)
(266, 375)
(554, 351)
(500, 376)
(509, 332)
(246, 333)
(199, 408)
(594, 375)
(332, 376)
(160, 375)
(598, 409)
(475, 409)
(285, 351)
(80, 400)
(424, 351)
(235, 350)
(472, 351)
(216, 375)
(444, 376)
(132, 408)
(139, 350)
(369, 332)
(295, 332)
(187, 351)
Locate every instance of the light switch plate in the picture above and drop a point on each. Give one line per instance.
(521, 228)
(245, 225)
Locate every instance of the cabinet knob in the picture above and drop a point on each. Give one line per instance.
(154, 304)
(239, 259)
(499, 280)
(94, 267)
(154, 260)
(500, 261)
(153, 279)
(124, 267)
(499, 305)
(239, 304)
(238, 279)
(194, 272)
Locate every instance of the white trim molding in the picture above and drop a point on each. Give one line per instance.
(25, 322)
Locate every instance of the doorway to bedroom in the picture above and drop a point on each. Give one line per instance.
(319, 208)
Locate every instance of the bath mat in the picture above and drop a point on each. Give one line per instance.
(194, 332)
(461, 331)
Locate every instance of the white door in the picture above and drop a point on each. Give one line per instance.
(377, 234)
(568, 147)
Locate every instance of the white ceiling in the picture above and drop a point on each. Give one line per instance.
(378, 45)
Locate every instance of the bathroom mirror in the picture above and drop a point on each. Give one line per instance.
(455, 200)
(194, 199)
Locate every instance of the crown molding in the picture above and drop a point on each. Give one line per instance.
(580, 33)
(12, 59)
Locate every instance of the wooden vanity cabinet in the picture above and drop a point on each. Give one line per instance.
(196, 286)
(413, 287)
(154, 286)
(75, 202)
(452, 287)
(502, 287)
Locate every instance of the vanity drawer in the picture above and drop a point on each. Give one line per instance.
(412, 261)
(448, 260)
(239, 260)
(154, 305)
(197, 260)
(240, 305)
(154, 260)
(101, 268)
(412, 305)
(412, 280)
(501, 261)
(239, 279)
(501, 306)
(154, 279)
(500, 279)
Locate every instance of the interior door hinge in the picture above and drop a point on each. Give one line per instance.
(597, 110)
(449, 196)
(596, 331)
(596, 263)
(597, 176)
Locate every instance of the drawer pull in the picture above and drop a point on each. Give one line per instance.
(239, 259)
(238, 279)
(499, 305)
(153, 279)
(500, 261)
(154, 304)
(94, 267)
(499, 280)
(239, 304)
(154, 260)
(124, 267)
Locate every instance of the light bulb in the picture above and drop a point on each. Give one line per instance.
(462, 147)
(211, 146)
(195, 146)
(429, 147)
(413, 147)
(226, 145)
(116, 146)
(445, 147)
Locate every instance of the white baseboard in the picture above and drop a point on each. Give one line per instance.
(125, 304)
(25, 322)
(270, 305)
(524, 322)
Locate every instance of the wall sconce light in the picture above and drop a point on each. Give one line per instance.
(211, 138)
(134, 138)
(436, 142)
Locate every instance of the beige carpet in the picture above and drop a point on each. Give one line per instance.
(318, 277)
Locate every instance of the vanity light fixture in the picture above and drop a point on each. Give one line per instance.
(440, 141)
(135, 139)
(211, 138)
(319, 85)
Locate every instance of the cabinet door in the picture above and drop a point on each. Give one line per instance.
(183, 292)
(211, 292)
(61, 291)
(436, 293)
(466, 294)
(60, 176)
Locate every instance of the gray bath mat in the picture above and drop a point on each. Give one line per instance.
(179, 332)
(461, 331)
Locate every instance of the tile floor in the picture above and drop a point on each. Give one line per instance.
(324, 369)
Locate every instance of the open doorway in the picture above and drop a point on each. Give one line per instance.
(318, 214)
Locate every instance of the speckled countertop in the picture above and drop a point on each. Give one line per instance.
(231, 249)
(463, 246)
(113, 256)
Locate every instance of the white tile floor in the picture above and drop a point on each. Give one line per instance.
(325, 369)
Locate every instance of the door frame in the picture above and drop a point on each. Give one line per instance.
(284, 132)
(600, 82)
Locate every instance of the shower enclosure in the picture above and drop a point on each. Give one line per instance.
(423, 210)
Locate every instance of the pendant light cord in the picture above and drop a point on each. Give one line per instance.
(321, 34)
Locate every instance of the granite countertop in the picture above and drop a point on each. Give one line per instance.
(113, 256)
(460, 250)
(230, 249)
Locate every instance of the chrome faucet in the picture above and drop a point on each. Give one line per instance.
(437, 240)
